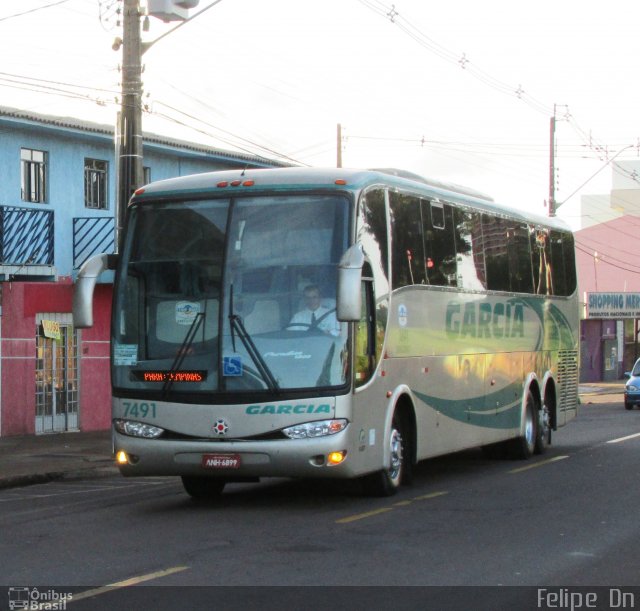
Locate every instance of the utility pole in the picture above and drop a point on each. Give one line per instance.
(339, 149)
(552, 166)
(130, 172)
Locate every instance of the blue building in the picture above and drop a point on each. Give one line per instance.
(57, 208)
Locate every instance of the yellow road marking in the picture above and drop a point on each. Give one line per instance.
(402, 503)
(538, 464)
(375, 512)
(126, 583)
(431, 495)
(621, 439)
(362, 516)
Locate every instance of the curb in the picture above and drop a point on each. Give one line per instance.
(21, 481)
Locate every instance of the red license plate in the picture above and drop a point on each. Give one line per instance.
(221, 461)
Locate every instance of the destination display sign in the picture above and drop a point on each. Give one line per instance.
(155, 375)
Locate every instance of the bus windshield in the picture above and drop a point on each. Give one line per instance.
(231, 295)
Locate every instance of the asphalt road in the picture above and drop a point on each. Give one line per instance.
(567, 518)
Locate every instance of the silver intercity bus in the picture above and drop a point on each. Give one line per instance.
(332, 323)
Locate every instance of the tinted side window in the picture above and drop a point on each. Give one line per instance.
(408, 262)
(520, 273)
(541, 261)
(494, 230)
(569, 253)
(557, 264)
(372, 231)
(439, 243)
(470, 250)
(372, 234)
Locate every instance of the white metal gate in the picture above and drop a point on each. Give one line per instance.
(56, 374)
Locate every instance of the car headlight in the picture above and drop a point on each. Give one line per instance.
(320, 428)
(632, 388)
(137, 429)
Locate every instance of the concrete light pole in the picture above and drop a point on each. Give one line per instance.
(129, 139)
(129, 134)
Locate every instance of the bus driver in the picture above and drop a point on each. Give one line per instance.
(315, 315)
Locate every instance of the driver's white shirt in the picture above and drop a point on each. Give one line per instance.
(329, 323)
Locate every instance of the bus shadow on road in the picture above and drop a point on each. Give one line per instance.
(312, 493)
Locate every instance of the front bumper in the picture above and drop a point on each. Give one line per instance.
(632, 398)
(277, 458)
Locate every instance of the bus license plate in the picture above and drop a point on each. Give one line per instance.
(221, 461)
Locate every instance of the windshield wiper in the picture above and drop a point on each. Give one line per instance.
(237, 326)
(182, 351)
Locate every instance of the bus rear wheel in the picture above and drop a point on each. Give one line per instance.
(387, 481)
(203, 488)
(524, 446)
(543, 438)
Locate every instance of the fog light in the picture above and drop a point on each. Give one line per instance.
(335, 458)
(122, 458)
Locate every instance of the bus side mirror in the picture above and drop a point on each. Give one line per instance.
(349, 296)
(85, 285)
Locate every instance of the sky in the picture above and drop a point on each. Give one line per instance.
(459, 91)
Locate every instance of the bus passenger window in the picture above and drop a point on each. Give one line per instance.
(365, 337)
(557, 265)
(407, 261)
(568, 255)
(520, 273)
(372, 228)
(541, 261)
(439, 244)
(470, 251)
(494, 230)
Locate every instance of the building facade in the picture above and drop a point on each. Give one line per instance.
(609, 264)
(57, 208)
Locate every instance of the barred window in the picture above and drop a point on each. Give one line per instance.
(95, 184)
(33, 172)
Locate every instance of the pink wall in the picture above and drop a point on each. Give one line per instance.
(18, 363)
(20, 303)
(95, 381)
(617, 264)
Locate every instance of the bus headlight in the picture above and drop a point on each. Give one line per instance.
(320, 428)
(137, 429)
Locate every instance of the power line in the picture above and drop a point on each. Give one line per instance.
(224, 131)
(33, 10)
(460, 59)
(390, 13)
(598, 257)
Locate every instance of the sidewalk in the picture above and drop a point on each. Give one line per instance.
(589, 390)
(32, 459)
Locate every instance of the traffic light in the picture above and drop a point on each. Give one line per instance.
(171, 10)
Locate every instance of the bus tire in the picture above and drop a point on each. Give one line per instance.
(543, 437)
(523, 446)
(203, 488)
(387, 481)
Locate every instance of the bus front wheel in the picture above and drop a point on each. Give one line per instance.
(387, 481)
(203, 488)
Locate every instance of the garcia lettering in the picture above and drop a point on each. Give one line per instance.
(484, 320)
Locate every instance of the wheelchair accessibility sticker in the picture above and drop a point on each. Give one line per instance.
(232, 366)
